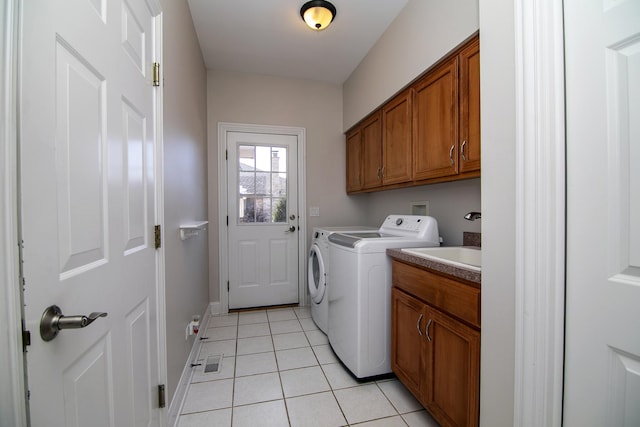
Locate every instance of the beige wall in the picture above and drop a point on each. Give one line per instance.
(315, 106)
(448, 203)
(185, 181)
(423, 32)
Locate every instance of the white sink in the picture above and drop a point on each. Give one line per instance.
(468, 258)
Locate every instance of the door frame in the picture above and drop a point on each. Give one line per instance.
(223, 230)
(540, 209)
(14, 411)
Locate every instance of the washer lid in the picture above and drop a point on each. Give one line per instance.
(350, 239)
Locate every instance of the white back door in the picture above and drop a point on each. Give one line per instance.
(263, 219)
(602, 358)
(87, 141)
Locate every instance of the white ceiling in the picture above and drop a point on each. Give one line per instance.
(270, 37)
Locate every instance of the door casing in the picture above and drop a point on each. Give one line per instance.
(223, 236)
(13, 409)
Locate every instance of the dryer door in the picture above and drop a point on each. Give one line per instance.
(317, 279)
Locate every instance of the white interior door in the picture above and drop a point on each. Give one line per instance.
(87, 141)
(263, 219)
(602, 362)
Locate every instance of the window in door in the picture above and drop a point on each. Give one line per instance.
(262, 184)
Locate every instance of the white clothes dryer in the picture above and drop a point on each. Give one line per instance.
(360, 296)
(318, 270)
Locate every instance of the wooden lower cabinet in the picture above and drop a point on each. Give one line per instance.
(452, 370)
(406, 341)
(437, 358)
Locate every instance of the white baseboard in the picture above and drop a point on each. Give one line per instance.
(185, 379)
(215, 308)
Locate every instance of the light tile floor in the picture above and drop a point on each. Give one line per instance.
(278, 369)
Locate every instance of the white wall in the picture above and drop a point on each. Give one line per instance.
(497, 71)
(185, 181)
(315, 106)
(423, 32)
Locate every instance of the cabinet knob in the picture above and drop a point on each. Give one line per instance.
(451, 154)
(418, 325)
(462, 150)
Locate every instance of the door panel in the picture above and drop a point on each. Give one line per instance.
(87, 141)
(602, 356)
(262, 202)
(84, 403)
(80, 162)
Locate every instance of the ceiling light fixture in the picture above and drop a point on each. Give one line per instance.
(318, 14)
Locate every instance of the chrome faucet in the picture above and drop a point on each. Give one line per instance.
(472, 216)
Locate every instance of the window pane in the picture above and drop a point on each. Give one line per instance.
(247, 183)
(263, 183)
(278, 159)
(279, 184)
(263, 159)
(246, 209)
(279, 210)
(246, 158)
(263, 210)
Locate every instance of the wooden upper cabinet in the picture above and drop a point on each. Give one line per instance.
(470, 107)
(396, 139)
(372, 151)
(428, 133)
(354, 160)
(435, 123)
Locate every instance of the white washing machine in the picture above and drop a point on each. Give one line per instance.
(318, 269)
(360, 296)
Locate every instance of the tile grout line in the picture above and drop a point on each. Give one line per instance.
(278, 367)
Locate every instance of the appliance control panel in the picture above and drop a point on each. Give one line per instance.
(419, 226)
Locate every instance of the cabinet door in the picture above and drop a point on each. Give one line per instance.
(470, 107)
(372, 152)
(452, 366)
(354, 160)
(396, 140)
(435, 123)
(407, 321)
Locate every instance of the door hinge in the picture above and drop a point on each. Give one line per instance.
(161, 396)
(26, 340)
(156, 74)
(226, 154)
(157, 237)
(227, 286)
(227, 220)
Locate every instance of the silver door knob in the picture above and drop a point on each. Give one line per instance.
(53, 321)
(291, 229)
